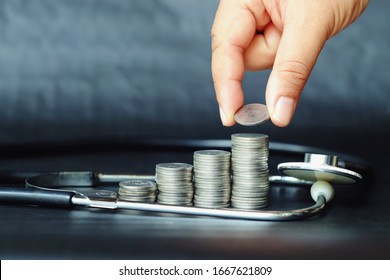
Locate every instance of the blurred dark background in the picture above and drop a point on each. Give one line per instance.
(110, 71)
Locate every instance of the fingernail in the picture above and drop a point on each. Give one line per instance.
(222, 115)
(284, 109)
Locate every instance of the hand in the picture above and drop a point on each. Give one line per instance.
(286, 35)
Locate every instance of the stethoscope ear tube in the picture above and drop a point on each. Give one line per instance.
(36, 197)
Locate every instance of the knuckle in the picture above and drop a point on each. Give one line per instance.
(216, 41)
(294, 72)
(214, 36)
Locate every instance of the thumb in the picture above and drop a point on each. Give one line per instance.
(299, 48)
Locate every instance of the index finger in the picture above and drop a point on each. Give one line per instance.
(234, 27)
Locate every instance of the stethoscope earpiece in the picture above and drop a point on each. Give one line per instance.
(322, 188)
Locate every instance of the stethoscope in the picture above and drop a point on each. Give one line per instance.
(55, 190)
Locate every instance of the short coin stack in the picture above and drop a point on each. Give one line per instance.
(212, 178)
(174, 182)
(138, 190)
(250, 171)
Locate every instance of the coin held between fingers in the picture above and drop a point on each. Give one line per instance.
(252, 114)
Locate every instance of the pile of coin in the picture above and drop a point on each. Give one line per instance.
(174, 183)
(212, 178)
(138, 190)
(250, 171)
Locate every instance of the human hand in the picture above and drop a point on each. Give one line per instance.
(286, 35)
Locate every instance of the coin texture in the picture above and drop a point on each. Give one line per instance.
(138, 190)
(212, 180)
(174, 183)
(252, 114)
(250, 171)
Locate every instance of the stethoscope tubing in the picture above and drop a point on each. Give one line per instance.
(228, 213)
(42, 190)
(46, 189)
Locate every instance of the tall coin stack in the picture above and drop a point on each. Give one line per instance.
(174, 183)
(138, 190)
(250, 171)
(212, 178)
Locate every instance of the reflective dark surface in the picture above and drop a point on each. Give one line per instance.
(356, 224)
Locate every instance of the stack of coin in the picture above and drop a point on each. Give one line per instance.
(212, 178)
(174, 183)
(138, 190)
(250, 171)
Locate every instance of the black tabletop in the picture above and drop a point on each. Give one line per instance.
(355, 225)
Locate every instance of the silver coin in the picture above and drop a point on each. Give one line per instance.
(173, 166)
(252, 114)
(213, 194)
(250, 174)
(212, 153)
(138, 199)
(137, 183)
(249, 137)
(211, 198)
(174, 183)
(101, 194)
(126, 194)
(212, 178)
(169, 197)
(217, 179)
(250, 194)
(137, 190)
(179, 199)
(258, 202)
(211, 205)
(176, 188)
(248, 207)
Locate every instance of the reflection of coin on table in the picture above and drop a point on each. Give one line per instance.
(252, 114)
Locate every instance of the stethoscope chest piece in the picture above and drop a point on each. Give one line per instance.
(322, 170)
(54, 190)
(318, 167)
